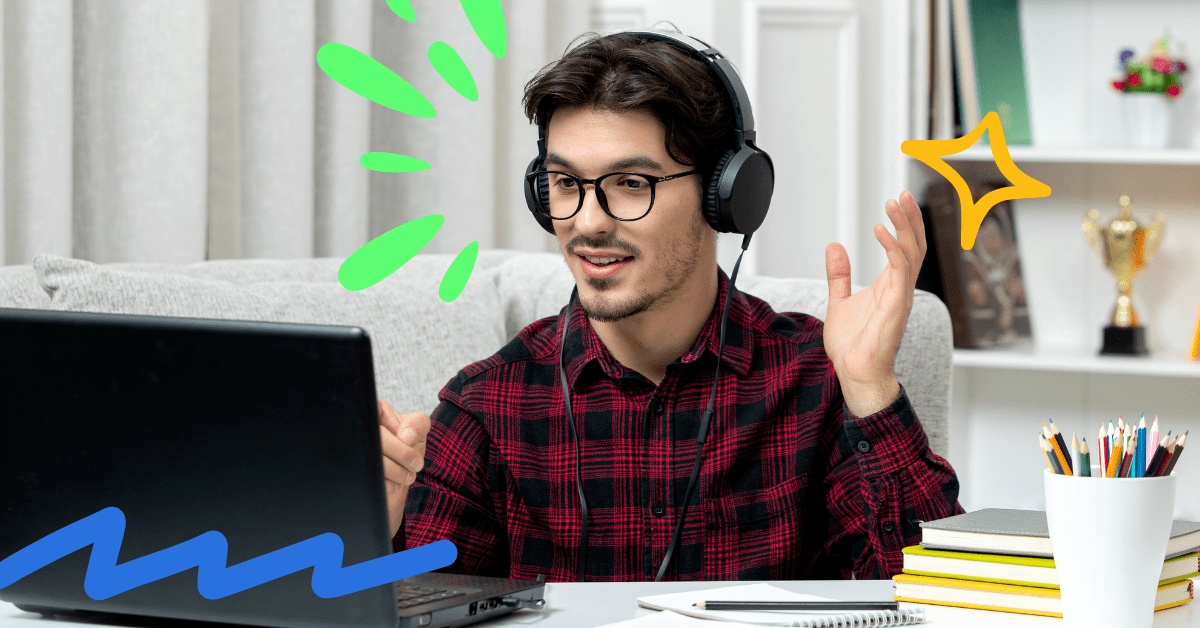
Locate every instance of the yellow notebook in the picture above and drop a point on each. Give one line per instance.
(1017, 570)
(1009, 598)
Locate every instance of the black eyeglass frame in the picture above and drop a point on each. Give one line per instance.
(531, 180)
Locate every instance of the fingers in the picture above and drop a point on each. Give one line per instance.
(388, 417)
(910, 243)
(913, 211)
(837, 271)
(408, 460)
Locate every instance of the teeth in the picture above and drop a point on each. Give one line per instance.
(601, 261)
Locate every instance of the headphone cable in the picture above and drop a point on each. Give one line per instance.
(706, 419)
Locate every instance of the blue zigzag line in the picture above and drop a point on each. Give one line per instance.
(105, 531)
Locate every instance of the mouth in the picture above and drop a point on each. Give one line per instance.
(600, 267)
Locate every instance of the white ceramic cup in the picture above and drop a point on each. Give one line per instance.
(1109, 537)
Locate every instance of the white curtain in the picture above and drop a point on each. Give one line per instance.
(145, 130)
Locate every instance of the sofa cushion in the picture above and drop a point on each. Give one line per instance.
(418, 341)
(19, 288)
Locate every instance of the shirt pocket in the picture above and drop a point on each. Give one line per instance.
(754, 535)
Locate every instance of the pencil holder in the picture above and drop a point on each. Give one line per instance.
(1109, 537)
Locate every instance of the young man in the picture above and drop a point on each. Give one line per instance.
(815, 465)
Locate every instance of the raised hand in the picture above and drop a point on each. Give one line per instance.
(403, 439)
(863, 330)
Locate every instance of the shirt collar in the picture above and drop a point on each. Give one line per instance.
(583, 347)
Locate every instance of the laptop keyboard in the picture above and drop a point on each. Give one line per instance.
(408, 595)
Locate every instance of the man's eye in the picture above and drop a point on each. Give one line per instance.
(635, 184)
(565, 183)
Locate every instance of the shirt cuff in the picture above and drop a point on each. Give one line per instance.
(888, 440)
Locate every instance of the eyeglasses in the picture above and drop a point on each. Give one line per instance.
(623, 195)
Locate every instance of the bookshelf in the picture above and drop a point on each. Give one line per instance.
(1001, 396)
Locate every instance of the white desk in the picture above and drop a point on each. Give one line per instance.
(570, 605)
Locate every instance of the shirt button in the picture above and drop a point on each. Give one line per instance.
(658, 409)
(888, 527)
(864, 446)
(658, 509)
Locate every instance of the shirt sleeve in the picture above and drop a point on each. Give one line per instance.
(451, 497)
(883, 480)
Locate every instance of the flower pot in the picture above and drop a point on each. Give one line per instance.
(1147, 120)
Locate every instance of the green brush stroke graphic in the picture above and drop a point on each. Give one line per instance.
(391, 162)
(459, 272)
(386, 254)
(487, 18)
(372, 80)
(453, 70)
(403, 8)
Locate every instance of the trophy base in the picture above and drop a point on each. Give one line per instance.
(1124, 341)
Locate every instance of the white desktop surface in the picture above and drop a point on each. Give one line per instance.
(573, 605)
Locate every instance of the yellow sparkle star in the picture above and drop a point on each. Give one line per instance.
(930, 153)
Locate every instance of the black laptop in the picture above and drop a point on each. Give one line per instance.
(265, 432)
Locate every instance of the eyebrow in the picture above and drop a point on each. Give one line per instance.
(639, 161)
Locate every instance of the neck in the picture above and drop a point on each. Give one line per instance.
(649, 341)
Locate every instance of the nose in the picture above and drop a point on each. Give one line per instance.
(591, 218)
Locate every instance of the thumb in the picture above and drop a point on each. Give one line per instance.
(837, 271)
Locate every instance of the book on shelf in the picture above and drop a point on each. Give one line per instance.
(990, 66)
(1011, 598)
(982, 287)
(1023, 533)
(1025, 571)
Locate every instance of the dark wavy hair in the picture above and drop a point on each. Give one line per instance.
(623, 72)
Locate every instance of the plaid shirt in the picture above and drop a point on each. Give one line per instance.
(792, 485)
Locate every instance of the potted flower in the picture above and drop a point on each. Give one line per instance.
(1148, 88)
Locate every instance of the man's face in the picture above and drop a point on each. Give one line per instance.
(657, 254)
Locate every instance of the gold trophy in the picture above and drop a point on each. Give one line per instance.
(1125, 246)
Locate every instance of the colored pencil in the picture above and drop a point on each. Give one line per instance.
(1076, 469)
(1178, 452)
(1155, 437)
(1058, 453)
(1102, 450)
(1062, 444)
(1160, 450)
(1114, 460)
(1127, 460)
(1085, 460)
(1111, 432)
(1140, 468)
(1170, 453)
(1051, 459)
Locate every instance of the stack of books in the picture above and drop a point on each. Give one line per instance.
(998, 559)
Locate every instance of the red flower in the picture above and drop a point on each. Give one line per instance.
(1182, 67)
(1161, 65)
(1118, 84)
(1173, 90)
(1134, 80)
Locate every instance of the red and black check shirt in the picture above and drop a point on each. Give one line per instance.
(792, 486)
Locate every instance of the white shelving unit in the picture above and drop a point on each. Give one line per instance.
(1073, 360)
(1002, 396)
(1083, 155)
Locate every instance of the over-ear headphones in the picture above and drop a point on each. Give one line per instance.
(738, 191)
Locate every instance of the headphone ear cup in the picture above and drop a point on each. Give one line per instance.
(540, 195)
(711, 207)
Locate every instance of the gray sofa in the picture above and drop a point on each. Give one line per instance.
(419, 341)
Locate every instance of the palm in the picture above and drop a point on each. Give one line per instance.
(863, 330)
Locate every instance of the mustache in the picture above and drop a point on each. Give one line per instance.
(609, 242)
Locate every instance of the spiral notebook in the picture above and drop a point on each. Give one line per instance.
(684, 603)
